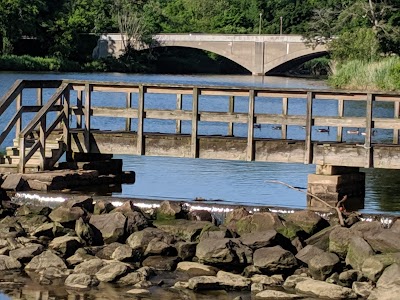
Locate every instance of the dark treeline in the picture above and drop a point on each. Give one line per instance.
(60, 28)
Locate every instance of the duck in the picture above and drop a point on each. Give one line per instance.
(278, 127)
(257, 126)
(357, 131)
(323, 129)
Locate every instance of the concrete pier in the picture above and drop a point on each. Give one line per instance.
(332, 183)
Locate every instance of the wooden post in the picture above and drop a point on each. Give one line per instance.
(21, 164)
(140, 144)
(250, 127)
(18, 124)
(128, 121)
(39, 96)
(368, 131)
(195, 120)
(80, 109)
(88, 98)
(396, 116)
(339, 133)
(178, 128)
(284, 113)
(231, 110)
(42, 138)
(308, 154)
(66, 125)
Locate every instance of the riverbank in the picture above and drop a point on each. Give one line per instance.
(88, 248)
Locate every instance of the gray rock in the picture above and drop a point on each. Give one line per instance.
(10, 228)
(321, 238)
(139, 292)
(45, 260)
(141, 239)
(271, 294)
(291, 282)
(201, 283)
(261, 239)
(196, 269)
(111, 226)
(108, 251)
(251, 270)
(233, 281)
(88, 233)
(124, 253)
(322, 265)
(65, 245)
(13, 182)
(81, 281)
(358, 251)
(79, 201)
(157, 247)
(67, 215)
(161, 263)
(362, 289)
(323, 289)
(274, 259)
(140, 275)
(389, 293)
(307, 253)
(102, 206)
(201, 215)
(25, 254)
(234, 216)
(50, 230)
(374, 265)
(186, 230)
(79, 257)
(186, 250)
(390, 276)
(180, 285)
(274, 280)
(347, 278)
(364, 227)
(339, 240)
(30, 223)
(262, 221)
(307, 220)
(54, 273)
(112, 271)
(9, 263)
(169, 210)
(385, 241)
(90, 267)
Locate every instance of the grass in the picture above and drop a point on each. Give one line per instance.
(381, 75)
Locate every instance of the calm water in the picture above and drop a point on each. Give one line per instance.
(231, 181)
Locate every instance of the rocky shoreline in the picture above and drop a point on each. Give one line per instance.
(87, 247)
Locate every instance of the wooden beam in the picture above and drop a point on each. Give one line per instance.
(284, 113)
(128, 120)
(18, 125)
(39, 96)
(195, 120)
(231, 110)
(178, 124)
(140, 141)
(250, 128)
(368, 131)
(339, 133)
(65, 122)
(88, 100)
(79, 105)
(308, 153)
(42, 139)
(396, 116)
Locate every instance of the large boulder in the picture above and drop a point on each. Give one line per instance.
(112, 271)
(111, 226)
(274, 259)
(66, 215)
(358, 251)
(186, 250)
(261, 239)
(322, 265)
(107, 251)
(9, 263)
(272, 295)
(196, 269)
(233, 216)
(169, 210)
(308, 220)
(125, 253)
(321, 289)
(65, 245)
(321, 238)
(25, 254)
(385, 241)
(81, 281)
(388, 293)
(339, 240)
(161, 263)
(307, 253)
(391, 276)
(140, 240)
(49, 230)
(258, 222)
(200, 283)
(184, 229)
(88, 233)
(89, 267)
(233, 281)
(364, 227)
(83, 202)
(31, 222)
(45, 260)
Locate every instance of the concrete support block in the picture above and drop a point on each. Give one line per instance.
(334, 170)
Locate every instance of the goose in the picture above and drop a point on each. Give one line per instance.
(323, 129)
(357, 131)
(278, 127)
(257, 126)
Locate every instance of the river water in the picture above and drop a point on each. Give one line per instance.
(231, 182)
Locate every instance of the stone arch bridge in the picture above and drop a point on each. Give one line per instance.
(258, 54)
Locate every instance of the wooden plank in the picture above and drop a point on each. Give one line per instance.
(140, 119)
(128, 120)
(338, 121)
(10, 125)
(87, 107)
(39, 96)
(368, 131)
(339, 133)
(79, 102)
(168, 114)
(195, 120)
(115, 89)
(231, 110)
(308, 153)
(337, 96)
(285, 103)
(386, 123)
(116, 112)
(208, 116)
(250, 128)
(11, 94)
(65, 123)
(42, 141)
(18, 124)
(169, 90)
(178, 124)
(280, 94)
(390, 98)
(298, 120)
(21, 163)
(216, 92)
(396, 116)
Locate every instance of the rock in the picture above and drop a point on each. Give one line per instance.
(234, 216)
(31, 222)
(389, 293)
(186, 230)
(233, 281)
(385, 241)
(274, 259)
(65, 215)
(257, 287)
(88, 233)
(213, 232)
(362, 289)
(50, 230)
(339, 240)
(321, 238)
(9, 228)
(347, 278)
(390, 276)
(81, 281)
(156, 247)
(45, 260)
(201, 283)
(25, 254)
(308, 220)
(141, 239)
(112, 271)
(141, 275)
(80, 201)
(322, 289)
(111, 226)
(271, 294)
(358, 251)
(125, 253)
(196, 269)
(14, 182)
(307, 253)
(9, 263)
(251, 270)
(89, 267)
(364, 227)
(180, 285)
(186, 250)
(258, 222)
(273, 280)
(135, 221)
(54, 273)
(291, 282)
(161, 263)
(108, 251)
(201, 215)
(169, 210)
(65, 245)
(322, 265)
(79, 257)
(374, 265)
(139, 292)
(102, 207)
(261, 239)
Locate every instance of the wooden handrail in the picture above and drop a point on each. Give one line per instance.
(11, 94)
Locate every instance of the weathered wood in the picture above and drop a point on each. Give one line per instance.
(65, 120)
(87, 107)
(195, 120)
(128, 121)
(308, 155)
(396, 116)
(231, 110)
(250, 128)
(339, 121)
(10, 125)
(285, 103)
(42, 142)
(114, 89)
(368, 131)
(11, 94)
(140, 144)
(219, 92)
(18, 124)
(169, 90)
(279, 94)
(339, 133)
(39, 96)
(178, 126)
(79, 102)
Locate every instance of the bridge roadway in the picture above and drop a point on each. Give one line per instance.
(259, 54)
(338, 161)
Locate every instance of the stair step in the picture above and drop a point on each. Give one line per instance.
(14, 151)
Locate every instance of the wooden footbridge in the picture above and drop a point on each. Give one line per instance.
(62, 123)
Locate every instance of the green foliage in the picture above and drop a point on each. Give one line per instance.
(28, 63)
